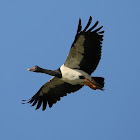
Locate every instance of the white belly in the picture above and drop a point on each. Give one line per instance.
(72, 75)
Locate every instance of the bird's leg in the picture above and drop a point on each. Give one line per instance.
(91, 85)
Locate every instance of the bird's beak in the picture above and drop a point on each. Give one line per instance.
(28, 69)
(32, 69)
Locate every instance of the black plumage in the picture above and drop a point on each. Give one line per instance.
(85, 54)
(51, 92)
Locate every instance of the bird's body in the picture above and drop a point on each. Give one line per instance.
(82, 60)
(72, 76)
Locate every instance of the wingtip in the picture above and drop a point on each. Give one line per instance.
(101, 32)
(24, 102)
(90, 18)
(79, 20)
(98, 29)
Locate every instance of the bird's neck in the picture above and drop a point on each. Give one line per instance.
(56, 73)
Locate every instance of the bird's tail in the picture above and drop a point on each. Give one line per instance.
(100, 81)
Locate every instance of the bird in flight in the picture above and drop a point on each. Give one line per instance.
(82, 60)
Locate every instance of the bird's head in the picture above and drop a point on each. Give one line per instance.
(35, 69)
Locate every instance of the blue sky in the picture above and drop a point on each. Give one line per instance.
(40, 33)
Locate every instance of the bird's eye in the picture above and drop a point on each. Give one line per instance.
(81, 77)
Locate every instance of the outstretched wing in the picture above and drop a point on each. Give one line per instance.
(51, 92)
(85, 51)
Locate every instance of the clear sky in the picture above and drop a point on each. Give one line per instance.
(34, 32)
